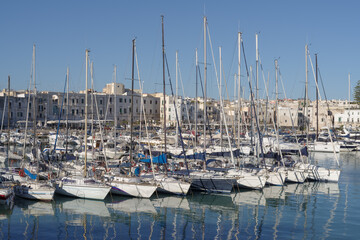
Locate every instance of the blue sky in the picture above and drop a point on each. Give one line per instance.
(62, 30)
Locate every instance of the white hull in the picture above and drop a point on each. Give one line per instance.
(276, 178)
(251, 181)
(324, 147)
(324, 174)
(41, 193)
(141, 190)
(97, 192)
(296, 176)
(174, 187)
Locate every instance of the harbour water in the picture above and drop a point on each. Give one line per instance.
(311, 210)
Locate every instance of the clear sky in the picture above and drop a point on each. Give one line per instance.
(62, 30)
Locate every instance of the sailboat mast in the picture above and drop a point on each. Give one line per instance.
(196, 96)
(349, 88)
(220, 79)
(164, 103)
(8, 119)
(132, 102)
(67, 110)
(306, 95)
(86, 107)
(205, 110)
(34, 101)
(115, 110)
(257, 75)
(176, 99)
(317, 97)
(239, 87)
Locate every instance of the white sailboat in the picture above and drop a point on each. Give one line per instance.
(32, 188)
(83, 186)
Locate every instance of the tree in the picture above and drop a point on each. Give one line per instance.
(357, 92)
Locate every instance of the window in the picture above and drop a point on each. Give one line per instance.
(137, 110)
(120, 110)
(144, 101)
(100, 111)
(155, 110)
(110, 100)
(150, 101)
(125, 110)
(150, 111)
(72, 111)
(130, 100)
(82, 112)
(110, 110)
(101, 101)
(77, 101)
(155, 101)
(65, 100)
(120, 99)
(82, 101)
(77, 111)
(124, 100)
(19, 105)
(73, 101)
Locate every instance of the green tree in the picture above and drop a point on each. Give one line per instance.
(357, 92)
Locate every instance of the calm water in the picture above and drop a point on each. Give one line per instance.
(297, 211)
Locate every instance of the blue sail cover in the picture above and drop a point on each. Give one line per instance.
(27, 172)
(159, 159)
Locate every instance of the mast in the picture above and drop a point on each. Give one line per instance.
(317, 98)
(220, 79)
(277, 97)
(257, 75)
(306, 95)
(8, 118)
(176, 99)
(34, 101)
(205, 110)
(196, 105)
(349, 88)
(239, 87)
(67, 111)
(163, 57)
(115, 110)
(86, 107)
(132, 102)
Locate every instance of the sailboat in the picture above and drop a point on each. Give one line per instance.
(33, 188)
(130, 185)
(320, 173)
(83, 186)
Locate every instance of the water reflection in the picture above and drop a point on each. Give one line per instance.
(306, 210)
